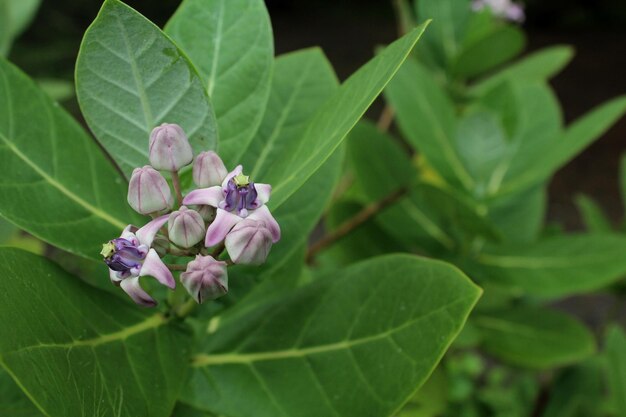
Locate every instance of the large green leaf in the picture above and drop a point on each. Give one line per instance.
(538, 66)
(520, 217)
(15, 16)
(130, 78)
(593, 216)
(554, 267)
(332, 122)
(355, 342)
(56, 183)
(76, 351)
(230, 42)
(536, 338)
(616, 352)
(13, 402)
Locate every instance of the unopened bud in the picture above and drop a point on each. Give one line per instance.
(249, 242)
(169, 148)
(208, 170)
(148, 191)
(205, 278)
(185, 227)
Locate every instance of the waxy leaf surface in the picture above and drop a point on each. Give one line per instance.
(130, 78)
(356, 342)
(231, 44)
(56, 182)
(332, 122)
(76, 351)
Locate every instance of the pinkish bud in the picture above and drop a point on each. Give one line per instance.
(185, 227)
(148, 191)
(249, 242)
(208, 170)
(169, 148)
(205, 278)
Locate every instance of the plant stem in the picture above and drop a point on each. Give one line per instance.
(177, 189)
(186, 308)
(386, 118)
(349, 225)
(218, 250)
(176, 267)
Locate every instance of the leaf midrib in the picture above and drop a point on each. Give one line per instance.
(53, 182)
(203, 359)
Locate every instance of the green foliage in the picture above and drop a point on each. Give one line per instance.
(533, 337)
(15, 16)
(69, 196)
(593, 217)
(287, 353)
(76, 351)
(616, 352)
(235, 64)
(130, 78)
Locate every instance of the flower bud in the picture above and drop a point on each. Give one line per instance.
(207, 212)
(185, 227)
(169, 148)
(208, 170)
(148, 191)
(249, 242)
(205, 278)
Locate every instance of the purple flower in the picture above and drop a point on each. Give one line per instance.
(169, 148)
(130, 257)
(236, 199)
(504, 9)
(249, 242)
(205, 278)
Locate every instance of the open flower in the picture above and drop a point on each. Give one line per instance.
(236, 199)
(130, 256)
(504, 9)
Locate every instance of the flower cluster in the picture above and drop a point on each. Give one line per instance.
(227, 211)
(504, 9)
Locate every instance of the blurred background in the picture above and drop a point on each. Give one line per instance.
(349, 30)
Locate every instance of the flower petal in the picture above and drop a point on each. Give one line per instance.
(133, 289)
(205, 196)
(232, 174)
(154, 267)
(114, 278)
(263, 192)
(263, 214)
(147, 233)
(217, 231)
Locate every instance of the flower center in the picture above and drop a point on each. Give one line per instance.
(122, 255)
(241, 196)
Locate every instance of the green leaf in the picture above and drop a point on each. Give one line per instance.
(15, 16)
(616, 352)
(432, 398)
(330, 125)
(520, 217)
(554, 267)
(535, 338)
(426, 118)
(622, 178)
(567, 145)
(76, 351)
(130, 78)
(384, 324)
(230, 42)
(490, 51)
(577, 391)
(538, 66)
(592, 214)
(57, 184)
(13, 402)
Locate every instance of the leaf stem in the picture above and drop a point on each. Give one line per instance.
(177, 189)
(176, 267)
(186, 308)
(386, 118)
(351, 224)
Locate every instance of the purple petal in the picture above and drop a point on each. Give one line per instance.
(154, 267)
(217, 231)
(232, 174)
(147, 233)
(263, 192)
(133, 289)
(263, 214)
(206, 196)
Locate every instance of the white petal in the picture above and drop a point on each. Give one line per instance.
(154, 267)
(263, 192)
(147, 233)
(133, 289)
(217, 231)
(205, 196)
